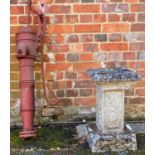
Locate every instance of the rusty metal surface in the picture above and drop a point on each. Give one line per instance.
(27, 98)
(28, 44)
(26, 51)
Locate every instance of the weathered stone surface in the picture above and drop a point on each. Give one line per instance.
(15, 113)
(112, 74)
(82, 130)
(138, 127)
(86, 110)
(110, 96)
(52, 111)
(15, 110)
(40, 103)
(37, 112)
(109, 133)
(117, 142)
(71, 111)
(15, 120)
(110, 110)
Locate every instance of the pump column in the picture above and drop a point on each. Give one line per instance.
(26, 44)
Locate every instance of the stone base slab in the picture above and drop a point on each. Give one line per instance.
(115, 142)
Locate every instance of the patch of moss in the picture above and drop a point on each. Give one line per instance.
(141, 141)
(14, 138)
(62, 137)
(47, 138)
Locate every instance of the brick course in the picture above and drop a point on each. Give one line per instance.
(80, 35)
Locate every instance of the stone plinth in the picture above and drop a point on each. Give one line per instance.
(110, 106)
(109, 133)
(115, 142)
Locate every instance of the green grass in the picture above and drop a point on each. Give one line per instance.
(47, 138)
(61, 137)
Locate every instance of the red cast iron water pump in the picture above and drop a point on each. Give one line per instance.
(27, 44)
(26, 53)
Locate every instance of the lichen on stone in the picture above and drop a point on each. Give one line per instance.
(113, 74)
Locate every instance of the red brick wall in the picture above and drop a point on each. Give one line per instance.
(81, 34)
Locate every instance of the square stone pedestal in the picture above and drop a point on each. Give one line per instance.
(103, 142)
(116, 142)
(109, 133)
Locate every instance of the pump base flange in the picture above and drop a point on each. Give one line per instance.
(28, 134)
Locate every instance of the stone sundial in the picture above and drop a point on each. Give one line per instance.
(110, 132)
